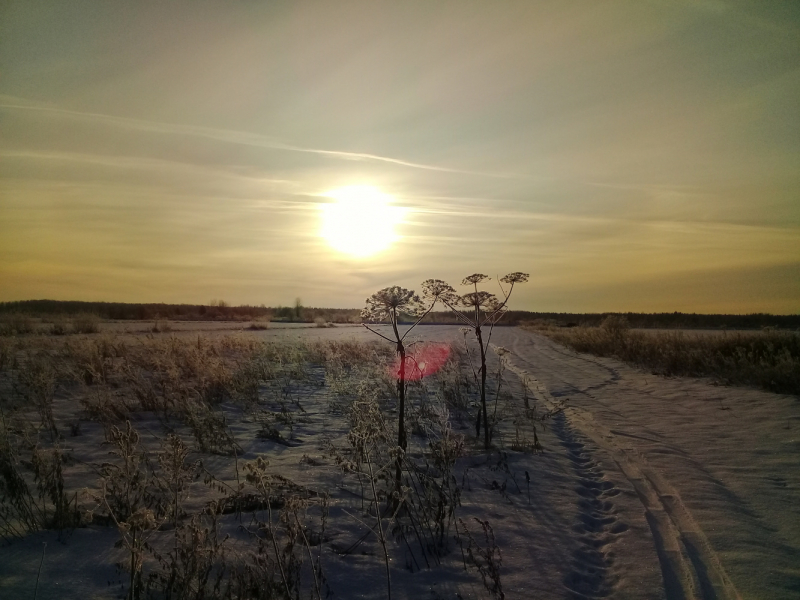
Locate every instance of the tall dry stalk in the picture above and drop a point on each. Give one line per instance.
(479, 310)
(388, 306)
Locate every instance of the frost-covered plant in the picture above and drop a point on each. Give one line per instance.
(477, 310)
(195, 567)
(615, 325)
(435, 493)
(46, 504)
(487, 559)
(176, 474)
(388, 306)
(370, 458)
(38, 378)
(127, 496)
(289, 538)
(18, 513)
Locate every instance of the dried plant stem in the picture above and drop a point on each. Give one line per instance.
(500, 370)
(482, 409)
(310, 556)
(133, 593)
(275, 547)
(39, 573)
(381, 537)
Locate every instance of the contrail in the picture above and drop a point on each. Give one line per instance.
(244, 138)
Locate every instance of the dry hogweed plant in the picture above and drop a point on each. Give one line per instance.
(479, 310)
(388, 306)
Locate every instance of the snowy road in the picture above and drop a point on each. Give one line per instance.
(713, 471)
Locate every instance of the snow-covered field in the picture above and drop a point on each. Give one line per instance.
(645, 488)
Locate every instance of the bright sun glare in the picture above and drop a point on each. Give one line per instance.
(361, 221)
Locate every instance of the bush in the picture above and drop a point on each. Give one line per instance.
(15, 324)
(59, 326)
(161, 327)
(86, 323)
(615, 325)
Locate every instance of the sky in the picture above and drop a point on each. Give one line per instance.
(629, 156)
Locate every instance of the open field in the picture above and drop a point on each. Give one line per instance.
(260, 464)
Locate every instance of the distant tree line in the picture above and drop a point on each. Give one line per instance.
(674, 320)
(222, 311)
(217, 310)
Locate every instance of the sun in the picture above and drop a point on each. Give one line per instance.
(361, 220)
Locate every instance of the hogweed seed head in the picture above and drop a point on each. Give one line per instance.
(516, 277)
(436, 289)
(480, 300)
(474, 279)
(391, 301)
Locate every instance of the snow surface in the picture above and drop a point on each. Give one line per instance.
(646, 488)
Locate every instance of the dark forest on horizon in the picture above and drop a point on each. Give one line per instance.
(221, 311)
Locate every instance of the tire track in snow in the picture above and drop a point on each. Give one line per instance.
(690, 567)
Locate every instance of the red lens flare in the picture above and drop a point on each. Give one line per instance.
(422, 361)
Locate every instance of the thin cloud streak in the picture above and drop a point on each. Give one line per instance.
(555, 217)
(137, 162)
(247, 139)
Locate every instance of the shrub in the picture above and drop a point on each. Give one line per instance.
(15, 324)
(59, 326)
(86, 323)
(615, 325)
(161, 327)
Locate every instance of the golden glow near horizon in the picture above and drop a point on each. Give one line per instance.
(361, 222)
